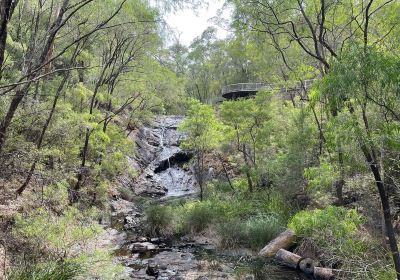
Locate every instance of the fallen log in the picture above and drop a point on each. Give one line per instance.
(306, 265)
(295, 261)
(323, 273)
(284, 241)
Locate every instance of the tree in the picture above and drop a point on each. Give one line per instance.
(368, 79)
(203, 133)
(248, 120)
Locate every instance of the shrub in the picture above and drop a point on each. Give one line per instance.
(200, 215)
(261, 230)
(338, 220)
(47, 271)
(160, 220)
(321, 178)
(254, 233)
(56, 234)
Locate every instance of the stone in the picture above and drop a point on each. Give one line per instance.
(141, 247)
(152, 269)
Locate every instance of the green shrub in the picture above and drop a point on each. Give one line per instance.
(338, 220)
(160, 220)
(253, 233)
(58, 234)
(321, 178)
(232, 232)
(47, 271)
(261, 230)
(200, 215)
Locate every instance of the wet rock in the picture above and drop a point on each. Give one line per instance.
(142, 247)
(162, 161)
(155, 240)
(142, 239)
(152, 269)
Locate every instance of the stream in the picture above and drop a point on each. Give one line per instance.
(165, 174)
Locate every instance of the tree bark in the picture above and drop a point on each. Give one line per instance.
(284, 240)
(248, 175)
(6, 11)
(387, 216)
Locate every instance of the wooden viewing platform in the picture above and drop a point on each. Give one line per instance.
(244, 90)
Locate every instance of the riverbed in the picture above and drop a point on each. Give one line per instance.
(165, 174)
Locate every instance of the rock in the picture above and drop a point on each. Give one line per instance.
(142, 239)
(155, 240)
(176, 277)
(121, 206)
(152, 269)
(141, 247)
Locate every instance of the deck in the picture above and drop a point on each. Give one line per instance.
(244, 90)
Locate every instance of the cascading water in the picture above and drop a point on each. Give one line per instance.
(165, 174)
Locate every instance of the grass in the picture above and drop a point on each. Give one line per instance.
(253, 233)
(47, 271)
(241, 219)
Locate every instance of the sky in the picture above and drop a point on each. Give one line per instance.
(189, 24)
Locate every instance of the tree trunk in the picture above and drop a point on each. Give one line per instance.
(6, 11)
(284, 240)
(226, 172)
(387, 216)
(294, 261)
(75, 191)
(305, 265)
(248, 175)
(16, 100)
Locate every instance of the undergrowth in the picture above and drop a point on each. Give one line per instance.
(240, 218)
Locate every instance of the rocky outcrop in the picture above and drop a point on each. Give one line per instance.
(164, 169)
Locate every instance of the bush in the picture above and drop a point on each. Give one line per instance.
(47, 271)
(254, 233)
(342, 242)
(261, 230)
(338, 220)
(321, 178)
(160, 220)
(56, 234)
(201, 214)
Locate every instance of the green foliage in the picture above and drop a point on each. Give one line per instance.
(337, 220)
(47, 271)
(160, 220)
(202, 128)
(321, 177)
(240, 219)
(254, 232)
(58, 235)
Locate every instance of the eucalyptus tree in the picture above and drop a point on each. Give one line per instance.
(47, 21)
(120, 51)
(319, 30)
(204, 134)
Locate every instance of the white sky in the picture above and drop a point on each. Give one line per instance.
(189, 24)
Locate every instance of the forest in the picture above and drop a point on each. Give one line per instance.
(127, 154)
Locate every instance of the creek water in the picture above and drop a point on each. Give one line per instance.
(165, 174)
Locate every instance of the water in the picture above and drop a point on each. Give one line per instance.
(166, 175)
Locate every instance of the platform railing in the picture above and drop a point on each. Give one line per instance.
(254, 87)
